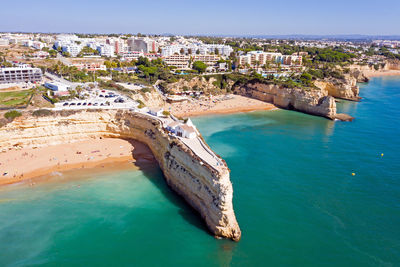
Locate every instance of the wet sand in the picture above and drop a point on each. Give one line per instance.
(27, 163)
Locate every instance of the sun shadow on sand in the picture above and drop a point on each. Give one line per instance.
(147, 163)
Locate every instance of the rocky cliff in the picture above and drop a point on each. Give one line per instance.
(362, 72)
(313, 101)
(359, 75)
(393, 64)
(345, 88)
(206, 188)
(150, 99)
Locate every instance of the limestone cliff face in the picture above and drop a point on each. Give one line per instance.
(392, 64)
(316, 102)
(359, 75)
(206, 188)
(150, 99)
(345, 88)
(362, 72)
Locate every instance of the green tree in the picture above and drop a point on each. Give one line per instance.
(200, 66)
(11, 115)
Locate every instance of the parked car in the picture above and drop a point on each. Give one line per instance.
(65, 104)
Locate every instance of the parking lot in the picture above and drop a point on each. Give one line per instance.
(97, 98)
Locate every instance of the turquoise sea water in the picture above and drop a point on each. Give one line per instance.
(295, 198)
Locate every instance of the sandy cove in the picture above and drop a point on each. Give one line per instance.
(24, 164)
(381, 73)
(219, 105)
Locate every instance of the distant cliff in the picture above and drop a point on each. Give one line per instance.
(206, 188)
(312, 101)
(345, 88)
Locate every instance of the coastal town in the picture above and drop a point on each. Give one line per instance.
(98, 98)
(199, 133)
(183, 75)
(171, 78)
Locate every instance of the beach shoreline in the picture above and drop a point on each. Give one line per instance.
(373, 73)
(27, 164)
(227, 104)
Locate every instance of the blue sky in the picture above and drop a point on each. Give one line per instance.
(244, 17)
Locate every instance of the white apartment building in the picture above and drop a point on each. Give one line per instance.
(106, 50)
(4, 42)
(73, 49)
(119, 45)
(130, 55)
(260, 58)
(20, 74)
(202, 49)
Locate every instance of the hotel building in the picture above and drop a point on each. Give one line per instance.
(259, 58)
(20, 74)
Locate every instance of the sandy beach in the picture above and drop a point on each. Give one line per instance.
(24, 164)
(373, 73)
(218, 105)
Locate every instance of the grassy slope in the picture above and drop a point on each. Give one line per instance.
(17, 98)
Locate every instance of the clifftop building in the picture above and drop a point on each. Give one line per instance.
(20, 74)
(193, 49)
(260, 58)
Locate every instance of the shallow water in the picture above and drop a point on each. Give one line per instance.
(295, 198)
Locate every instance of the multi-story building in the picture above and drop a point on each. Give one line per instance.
(256, 59)
(106, 50)
(198, 48)
(179, 61)
(4, 42)
(145, 45)
(130, 55)
(209, 60)
(20, 74)
(90, 66)
(119, 45)
(183, 61)
(73, 49)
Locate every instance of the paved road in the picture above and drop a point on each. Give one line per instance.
(198, 148)
(63, 60)
(157, 88)
(62, 80)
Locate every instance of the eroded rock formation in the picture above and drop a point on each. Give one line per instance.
(345, 88)
(313, 101)
(206, 188)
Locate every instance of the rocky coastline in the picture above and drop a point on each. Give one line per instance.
(206, 188)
